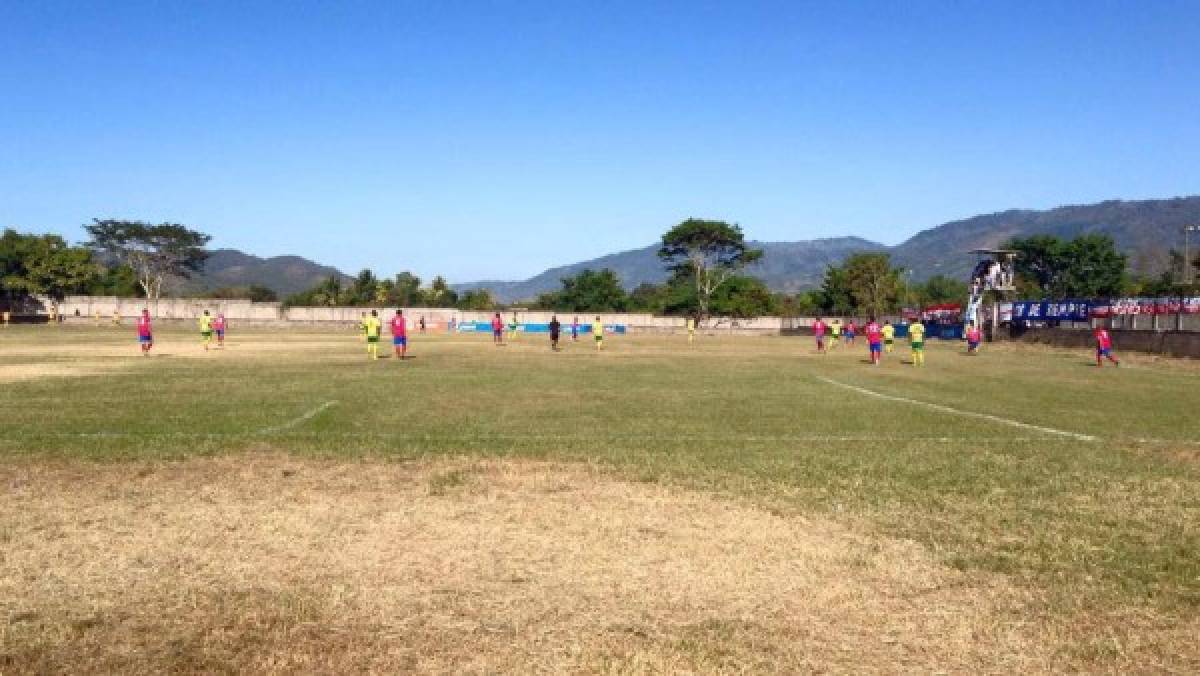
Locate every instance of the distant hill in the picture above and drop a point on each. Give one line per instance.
(786, 266)
(1144, 229)
(284, 274)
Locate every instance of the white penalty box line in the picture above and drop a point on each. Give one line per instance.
(941, 408)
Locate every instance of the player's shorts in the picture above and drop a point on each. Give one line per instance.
(876, 347)
(497, 332)
(918, 345)
(820, 341)
(1103, 351)
(145, 340)
(400, 341)
(221, 333)
(850, 335)
(206, 334)
(889, 342)
(599, 337)
(972, 344)
(372, 339)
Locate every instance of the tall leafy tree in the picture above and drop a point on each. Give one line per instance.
(406, 291)
(709, 251)
(588, 291)
(476, 299)
(154, 252)
(941, 289)
(836, 297)
(440, 294)
(44, 265)
(1087, 266)
(873, 282)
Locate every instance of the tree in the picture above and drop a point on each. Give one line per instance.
(476, 299)
(118, 280)
(873, 283)
(254, 292)
(1087, 266)
(709, 251)
(327, 293)
(743, 296)
(44, 265)
(440, 294)
(1095, 269)
(362, 289)
(406, 290)
(940, 289)
(647, 297)
(836, 297)
(588, 291)
(154, 252)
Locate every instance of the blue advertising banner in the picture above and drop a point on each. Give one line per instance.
(1052, 310)
(486, 327)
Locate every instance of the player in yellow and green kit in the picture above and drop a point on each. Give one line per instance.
(835, 333)
(598, 333)
(206, 330)
(691, 328)
(371, 328)
(916, 340)
(889, 337)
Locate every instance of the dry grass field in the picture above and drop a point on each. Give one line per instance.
(740, 505)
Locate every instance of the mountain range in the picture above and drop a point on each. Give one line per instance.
(283, 274)
(1144, 229)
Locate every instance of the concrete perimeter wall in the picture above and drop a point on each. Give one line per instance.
(1167, 343)
(75, 308)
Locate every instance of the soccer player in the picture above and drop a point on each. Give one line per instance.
(974, 336)
(889, 337)
(1104, 348)
(219, 327)
(851, 331)
(916, 340)
(598, 333)
(512, 328)
(835, 333)
(206, 329)
(819, 329)
(372, 327)
(691, 329)
(7, 317)
(400, 334)
(116, 318)
(874, 340)
(422, 323)
(555, 328)
(575, 330)
(497, 330)
(145, 335)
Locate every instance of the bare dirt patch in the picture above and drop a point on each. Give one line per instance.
(11, 373)
(267, 562)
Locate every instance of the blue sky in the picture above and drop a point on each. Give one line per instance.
(492, 140)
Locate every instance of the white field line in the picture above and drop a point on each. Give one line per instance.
(298, 420)
(960, 412)
(545, 437)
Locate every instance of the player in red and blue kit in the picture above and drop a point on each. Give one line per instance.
(1104, 348)
(219, 328)
(400, 334)
(819, 329)
(875, 340)
(974, 337)
(145, 335)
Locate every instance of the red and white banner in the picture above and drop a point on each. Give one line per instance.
(1147, 306)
